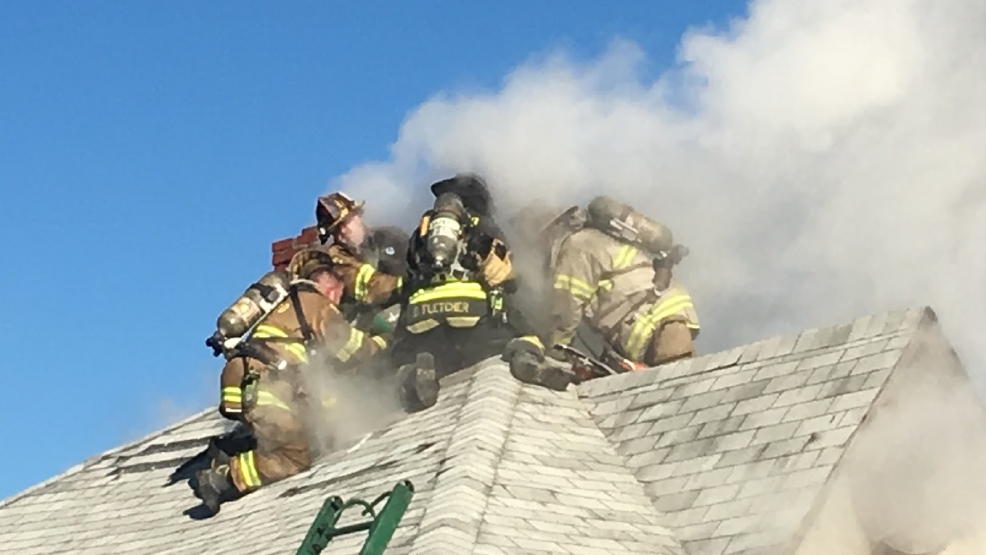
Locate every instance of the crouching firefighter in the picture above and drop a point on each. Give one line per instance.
(279, 324)
(455, 298)
(369, 261)
(612, 267)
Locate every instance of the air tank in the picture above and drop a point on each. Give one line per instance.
(624, 222)
(255, 303)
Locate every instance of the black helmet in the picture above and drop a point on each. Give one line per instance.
(471, 188)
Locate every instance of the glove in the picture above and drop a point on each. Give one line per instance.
(496, 267)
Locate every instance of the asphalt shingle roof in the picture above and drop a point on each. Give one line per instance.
(721, 454)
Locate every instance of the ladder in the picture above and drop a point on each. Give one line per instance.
(380, 527)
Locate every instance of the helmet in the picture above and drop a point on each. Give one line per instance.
(471, 188)
(392, 244)
(304, 263)
(331, 210)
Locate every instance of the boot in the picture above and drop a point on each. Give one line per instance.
(217, 456)
(525, 367)
(418, 383)
(214, 487)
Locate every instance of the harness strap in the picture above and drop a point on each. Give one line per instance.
(306, 329)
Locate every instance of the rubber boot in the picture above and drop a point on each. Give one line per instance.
(214, 487)
(525, 367)
(418, 383)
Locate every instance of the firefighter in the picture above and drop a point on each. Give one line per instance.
(612, 267)
(370, 261)
(456, 304)
(289, 318)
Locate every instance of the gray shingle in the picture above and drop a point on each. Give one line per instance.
(701, 453)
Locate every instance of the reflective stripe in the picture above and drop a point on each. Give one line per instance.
(267, 330)
(248, 469)
(624, 257)
(423, 326)
(453, 290)
(267, 399)
(644, 327)
(574, 286)
(379, 341)
(356, 338)
(361, 288)
(533, 339)
(233, 393)
(296, 347)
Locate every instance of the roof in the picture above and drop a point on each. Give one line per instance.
(724, 453)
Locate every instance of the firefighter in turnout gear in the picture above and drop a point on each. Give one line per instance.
(289, 319)
(456, 300)
(370, 261)
(612, 267)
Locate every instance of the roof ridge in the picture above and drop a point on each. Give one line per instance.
(472, 456)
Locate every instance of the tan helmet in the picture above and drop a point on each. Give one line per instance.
(304, 263)
(331, 210)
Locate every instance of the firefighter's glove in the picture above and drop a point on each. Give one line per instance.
(496, 267)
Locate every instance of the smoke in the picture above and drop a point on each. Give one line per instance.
(347, 405)
(823, 160)
(913, 478)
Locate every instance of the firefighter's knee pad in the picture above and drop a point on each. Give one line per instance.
(672, 342)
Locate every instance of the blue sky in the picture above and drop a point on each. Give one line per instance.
(151, 152)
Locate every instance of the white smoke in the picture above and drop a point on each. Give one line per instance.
(823, 159)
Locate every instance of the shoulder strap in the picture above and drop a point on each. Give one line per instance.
(299, 313)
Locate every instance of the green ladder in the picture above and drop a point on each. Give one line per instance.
(380, 527)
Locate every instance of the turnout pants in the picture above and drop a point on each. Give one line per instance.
(282, 441)
(453, 348)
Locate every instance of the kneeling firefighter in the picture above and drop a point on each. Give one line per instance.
(280, 323)
(455, 300)
(370, 261)
(612, 266)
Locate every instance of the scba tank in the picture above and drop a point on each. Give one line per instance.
(623, 222)
(255, 303)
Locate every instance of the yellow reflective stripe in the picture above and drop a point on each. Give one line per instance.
(574, 286)
(356, 338)
(296, 348)
(379, 341)
(624, 257)
(232, 394)
(268, 399)
(248, 470)
(455, 289)
(606, 284)
(644, 326)
(361, 288)
(266, 330)
(533, 339)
